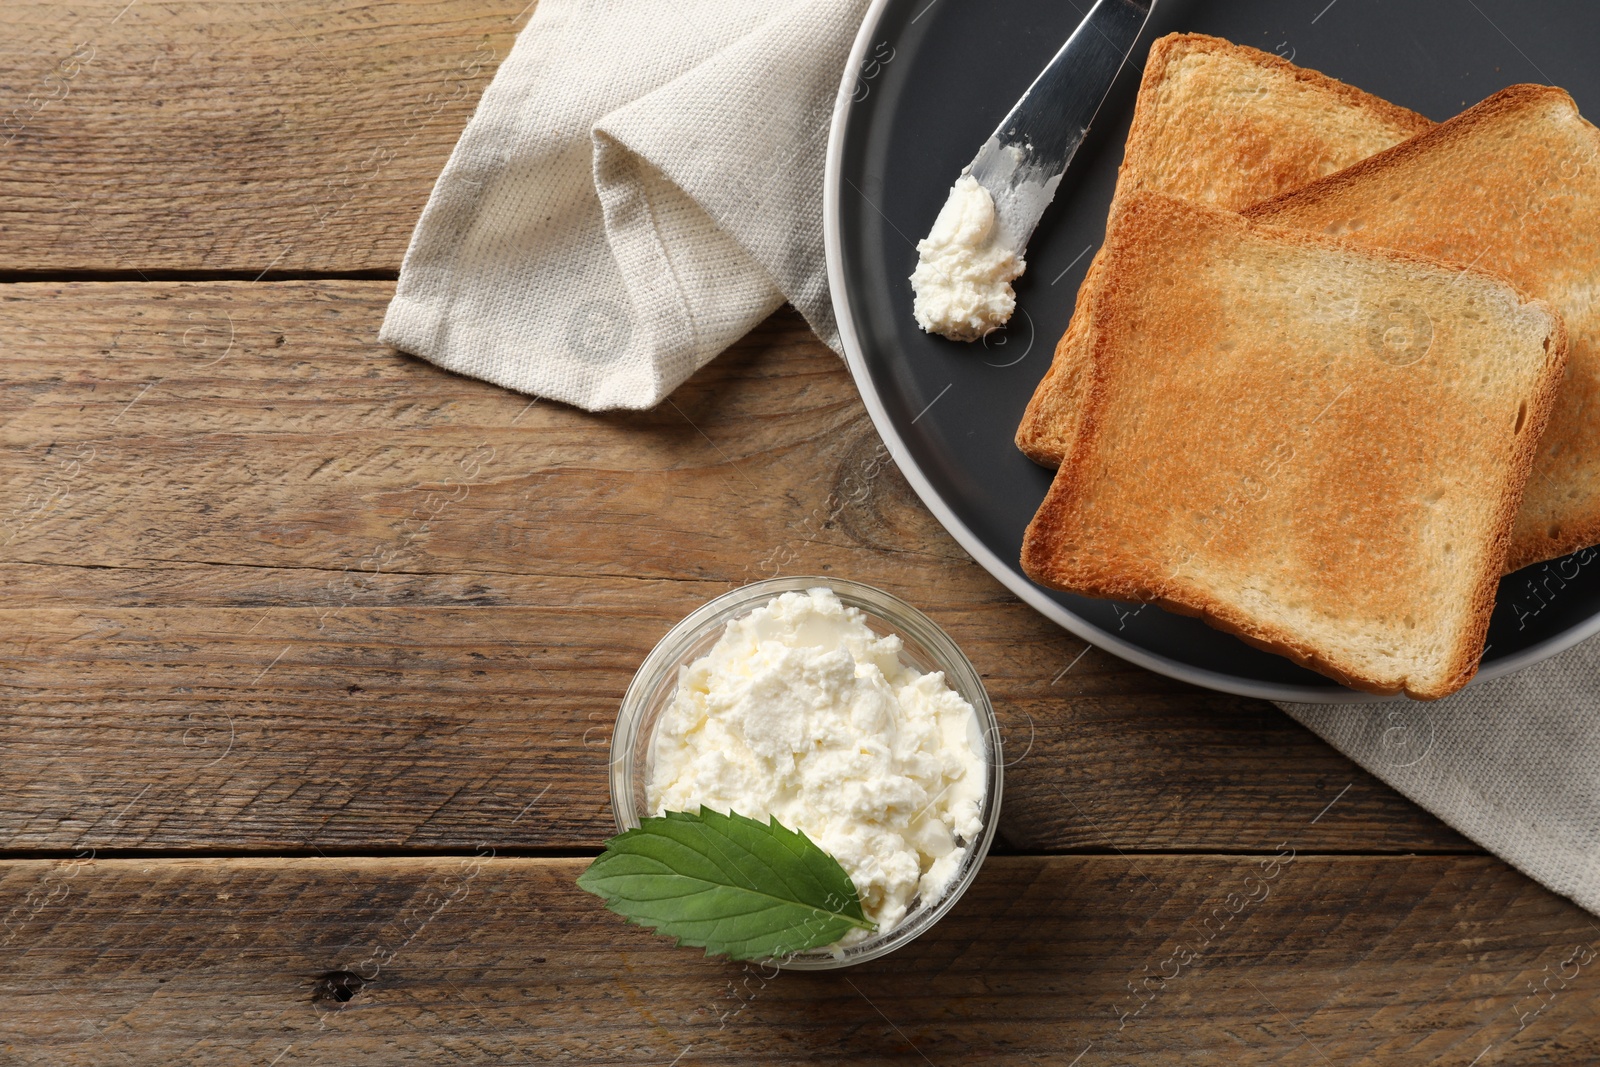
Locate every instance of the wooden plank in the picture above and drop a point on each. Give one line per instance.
(416, 727)
(299, 134)
(333, 597)
(1286, 959)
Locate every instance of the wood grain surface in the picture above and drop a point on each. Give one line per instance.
(291, 134)
(1287, 959)
(270, 586)
(309, 652)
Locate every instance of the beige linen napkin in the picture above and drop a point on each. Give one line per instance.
(1512, 763)
(642, 183)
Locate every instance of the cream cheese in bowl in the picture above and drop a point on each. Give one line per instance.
(802, 713)
(839, 711)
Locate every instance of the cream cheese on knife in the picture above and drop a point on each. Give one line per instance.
(964, 270)
(966, 264)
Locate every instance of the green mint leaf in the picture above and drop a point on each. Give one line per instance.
(728, 884)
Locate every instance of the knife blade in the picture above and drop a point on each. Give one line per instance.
(1022, 162)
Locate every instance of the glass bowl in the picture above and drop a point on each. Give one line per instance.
(925, 647)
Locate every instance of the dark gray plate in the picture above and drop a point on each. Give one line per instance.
(929, 81)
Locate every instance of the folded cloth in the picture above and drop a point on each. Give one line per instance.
(640, 185)
(1512, 763)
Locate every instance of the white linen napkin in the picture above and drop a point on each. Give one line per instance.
(642, 183)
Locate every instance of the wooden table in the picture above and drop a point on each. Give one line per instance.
(310, 652)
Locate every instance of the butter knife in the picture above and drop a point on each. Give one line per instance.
(962, 284)
(1022, 161)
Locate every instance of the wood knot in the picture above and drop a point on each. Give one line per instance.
(337, 986)
(871, 501)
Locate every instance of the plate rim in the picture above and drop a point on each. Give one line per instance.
(1030, 593)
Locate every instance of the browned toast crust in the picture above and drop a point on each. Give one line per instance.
(1049, 421)
(1060, 549)
(1510, 100)
(1538, 535)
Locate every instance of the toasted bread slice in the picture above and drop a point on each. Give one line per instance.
(1317, 446)
(1511, 186)
(1220, 124)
